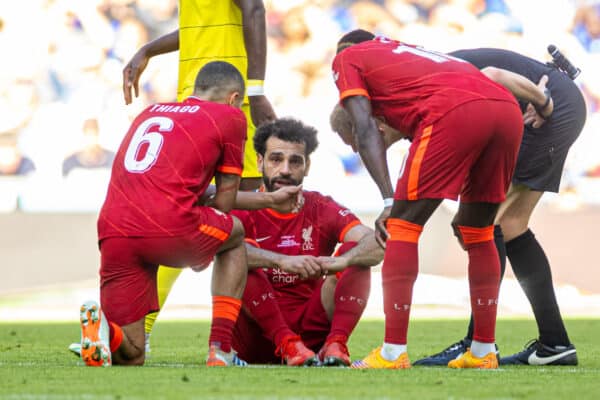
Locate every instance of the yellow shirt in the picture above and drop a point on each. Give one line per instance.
(211, 30)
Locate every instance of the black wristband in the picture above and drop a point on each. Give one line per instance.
(540, 109)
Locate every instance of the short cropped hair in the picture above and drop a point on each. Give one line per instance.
(219, 75)
(354, 37)
(340, 121)
(288, 130)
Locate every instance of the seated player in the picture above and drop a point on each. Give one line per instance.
(150, 217)
(291, 310)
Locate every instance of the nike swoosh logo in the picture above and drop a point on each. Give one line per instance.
(262, 238)
(535, 360)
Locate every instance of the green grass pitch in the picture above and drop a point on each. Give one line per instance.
(34, 364)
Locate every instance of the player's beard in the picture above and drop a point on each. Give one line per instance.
(282, 181)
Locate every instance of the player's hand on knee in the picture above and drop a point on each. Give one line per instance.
(306, 267)
(381, 233)
(331, 265)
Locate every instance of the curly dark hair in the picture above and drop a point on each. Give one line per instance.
(289, 130)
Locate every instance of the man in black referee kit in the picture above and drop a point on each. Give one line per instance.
(539, 168)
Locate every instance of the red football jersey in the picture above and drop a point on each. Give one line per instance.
(316, 230)
(165, 162)
(408, 85)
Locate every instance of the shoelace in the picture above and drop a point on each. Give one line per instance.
(531, 343)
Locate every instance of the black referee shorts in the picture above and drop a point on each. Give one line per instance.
(544, 150)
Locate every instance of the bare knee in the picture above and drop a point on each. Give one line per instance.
(236, 237)
(512, 226)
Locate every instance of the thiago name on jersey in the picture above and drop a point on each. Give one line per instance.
(170, 108)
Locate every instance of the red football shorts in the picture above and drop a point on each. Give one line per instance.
(307, 319)
(128, 265)
(471, 151)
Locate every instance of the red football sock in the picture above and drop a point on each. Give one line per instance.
(484, 279)
(350, 297)
(116, 336)
(399, 272)
(259, 302)
(225, 311)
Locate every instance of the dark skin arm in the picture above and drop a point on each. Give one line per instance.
(227, 186)
(284, 200)
(255, 39)
(371, 146)
(134, 68)
(372, 150)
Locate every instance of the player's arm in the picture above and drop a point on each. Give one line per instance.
(366, 253)
(371, 146)
(523, 89)
(304, 266)
(284, 200)
(372, 150)
(226, 191)
(134, 68)
(255, 39)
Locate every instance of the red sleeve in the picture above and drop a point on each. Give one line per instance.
(233, 138)
(340, 218)
(347, 74)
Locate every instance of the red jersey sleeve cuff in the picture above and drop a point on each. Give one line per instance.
(252, 242)
(346, 229)
(354, 92)
(230, 170)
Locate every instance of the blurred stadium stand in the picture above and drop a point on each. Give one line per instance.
(63, 67)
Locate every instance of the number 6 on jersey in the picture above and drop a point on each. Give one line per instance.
(154, 140)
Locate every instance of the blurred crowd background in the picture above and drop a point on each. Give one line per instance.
(63, 115)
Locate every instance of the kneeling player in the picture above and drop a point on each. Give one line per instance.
(150, 217)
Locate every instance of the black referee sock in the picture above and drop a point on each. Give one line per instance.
(532, 269)
(500, 246)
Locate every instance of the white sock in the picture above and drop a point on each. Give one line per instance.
(480, 350)
(391, 352)
(147, 343)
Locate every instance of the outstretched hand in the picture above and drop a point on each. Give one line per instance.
(131, 74)
(287, 199)
(381, 233)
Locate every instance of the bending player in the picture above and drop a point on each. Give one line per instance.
(539, 169)
(291, 311)
(150, 217)
(227, 30)
(465, 132)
